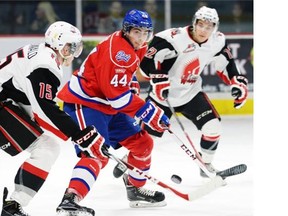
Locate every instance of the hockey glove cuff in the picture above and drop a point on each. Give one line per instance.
(153, 116)
(91, 143)
(160, 85)
(239, 90)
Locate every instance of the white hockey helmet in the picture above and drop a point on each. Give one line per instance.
(61, 33)
(207, 14)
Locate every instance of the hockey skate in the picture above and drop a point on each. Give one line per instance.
(11, 207)
(210, 168)
(69, 207)
(120, 169)
(141, 197)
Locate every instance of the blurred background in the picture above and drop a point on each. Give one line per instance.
(103, 17)
(23, 22)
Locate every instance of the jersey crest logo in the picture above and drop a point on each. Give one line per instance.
(122, 56)
(190, 48)
(191, 72)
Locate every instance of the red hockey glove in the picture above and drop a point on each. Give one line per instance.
(134, 86)
(153, 116)
(239, 90)
(160, 85)
(91, 142)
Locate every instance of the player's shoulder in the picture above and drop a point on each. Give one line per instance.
(172, 37)
(121, 51)
(218, 38)
(47, 58)
(173, 33)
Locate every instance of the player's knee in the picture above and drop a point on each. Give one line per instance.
(44, 152)
(145, 145)
(212, 130)
(140, 144)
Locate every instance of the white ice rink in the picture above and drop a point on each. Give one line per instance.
(108, 196)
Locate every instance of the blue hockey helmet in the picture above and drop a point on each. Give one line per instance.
(137, 19)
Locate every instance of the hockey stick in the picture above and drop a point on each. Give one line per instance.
(195, 156)
(235, 170)
(201, 191)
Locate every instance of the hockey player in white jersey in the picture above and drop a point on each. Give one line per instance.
(174, 62)
(29, 81)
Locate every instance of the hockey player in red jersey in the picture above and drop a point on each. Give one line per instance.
(102, 93)
(173, 64)
(29, 81)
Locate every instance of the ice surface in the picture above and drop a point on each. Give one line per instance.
(108, 195)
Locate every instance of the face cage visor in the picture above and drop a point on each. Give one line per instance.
(143, 32)
(75, 49)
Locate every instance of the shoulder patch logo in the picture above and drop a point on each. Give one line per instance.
(190, 48)
(122, 56)
(174, 32)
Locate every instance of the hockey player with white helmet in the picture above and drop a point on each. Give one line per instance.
(174, 62)
(29, 81)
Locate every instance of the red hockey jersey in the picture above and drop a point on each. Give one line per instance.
(103, 80)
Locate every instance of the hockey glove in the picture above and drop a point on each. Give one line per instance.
(134, 86)
(153, 116)
(91, 143)
(160, 85)
(239, 90)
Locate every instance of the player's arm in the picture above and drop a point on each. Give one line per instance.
(155, 65)
(229, 73)
(42, 91)
(45, 84)
(123, 100)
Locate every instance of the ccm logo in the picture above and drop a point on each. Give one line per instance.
(5, 146)
(86, 136)
(146, 112)
(203, 114)
(188, 152)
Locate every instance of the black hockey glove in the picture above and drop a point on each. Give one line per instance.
(91, 143)
(239, 90)
(160, 85)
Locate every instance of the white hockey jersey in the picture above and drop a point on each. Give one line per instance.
(31, 77)
(175, 53)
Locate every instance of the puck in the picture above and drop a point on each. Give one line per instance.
(176, 179)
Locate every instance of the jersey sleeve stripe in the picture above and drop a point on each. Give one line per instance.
(121, 101)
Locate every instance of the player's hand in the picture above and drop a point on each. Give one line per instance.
(92, 143)
(160, 85)
(239, 90)
(153, 116)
